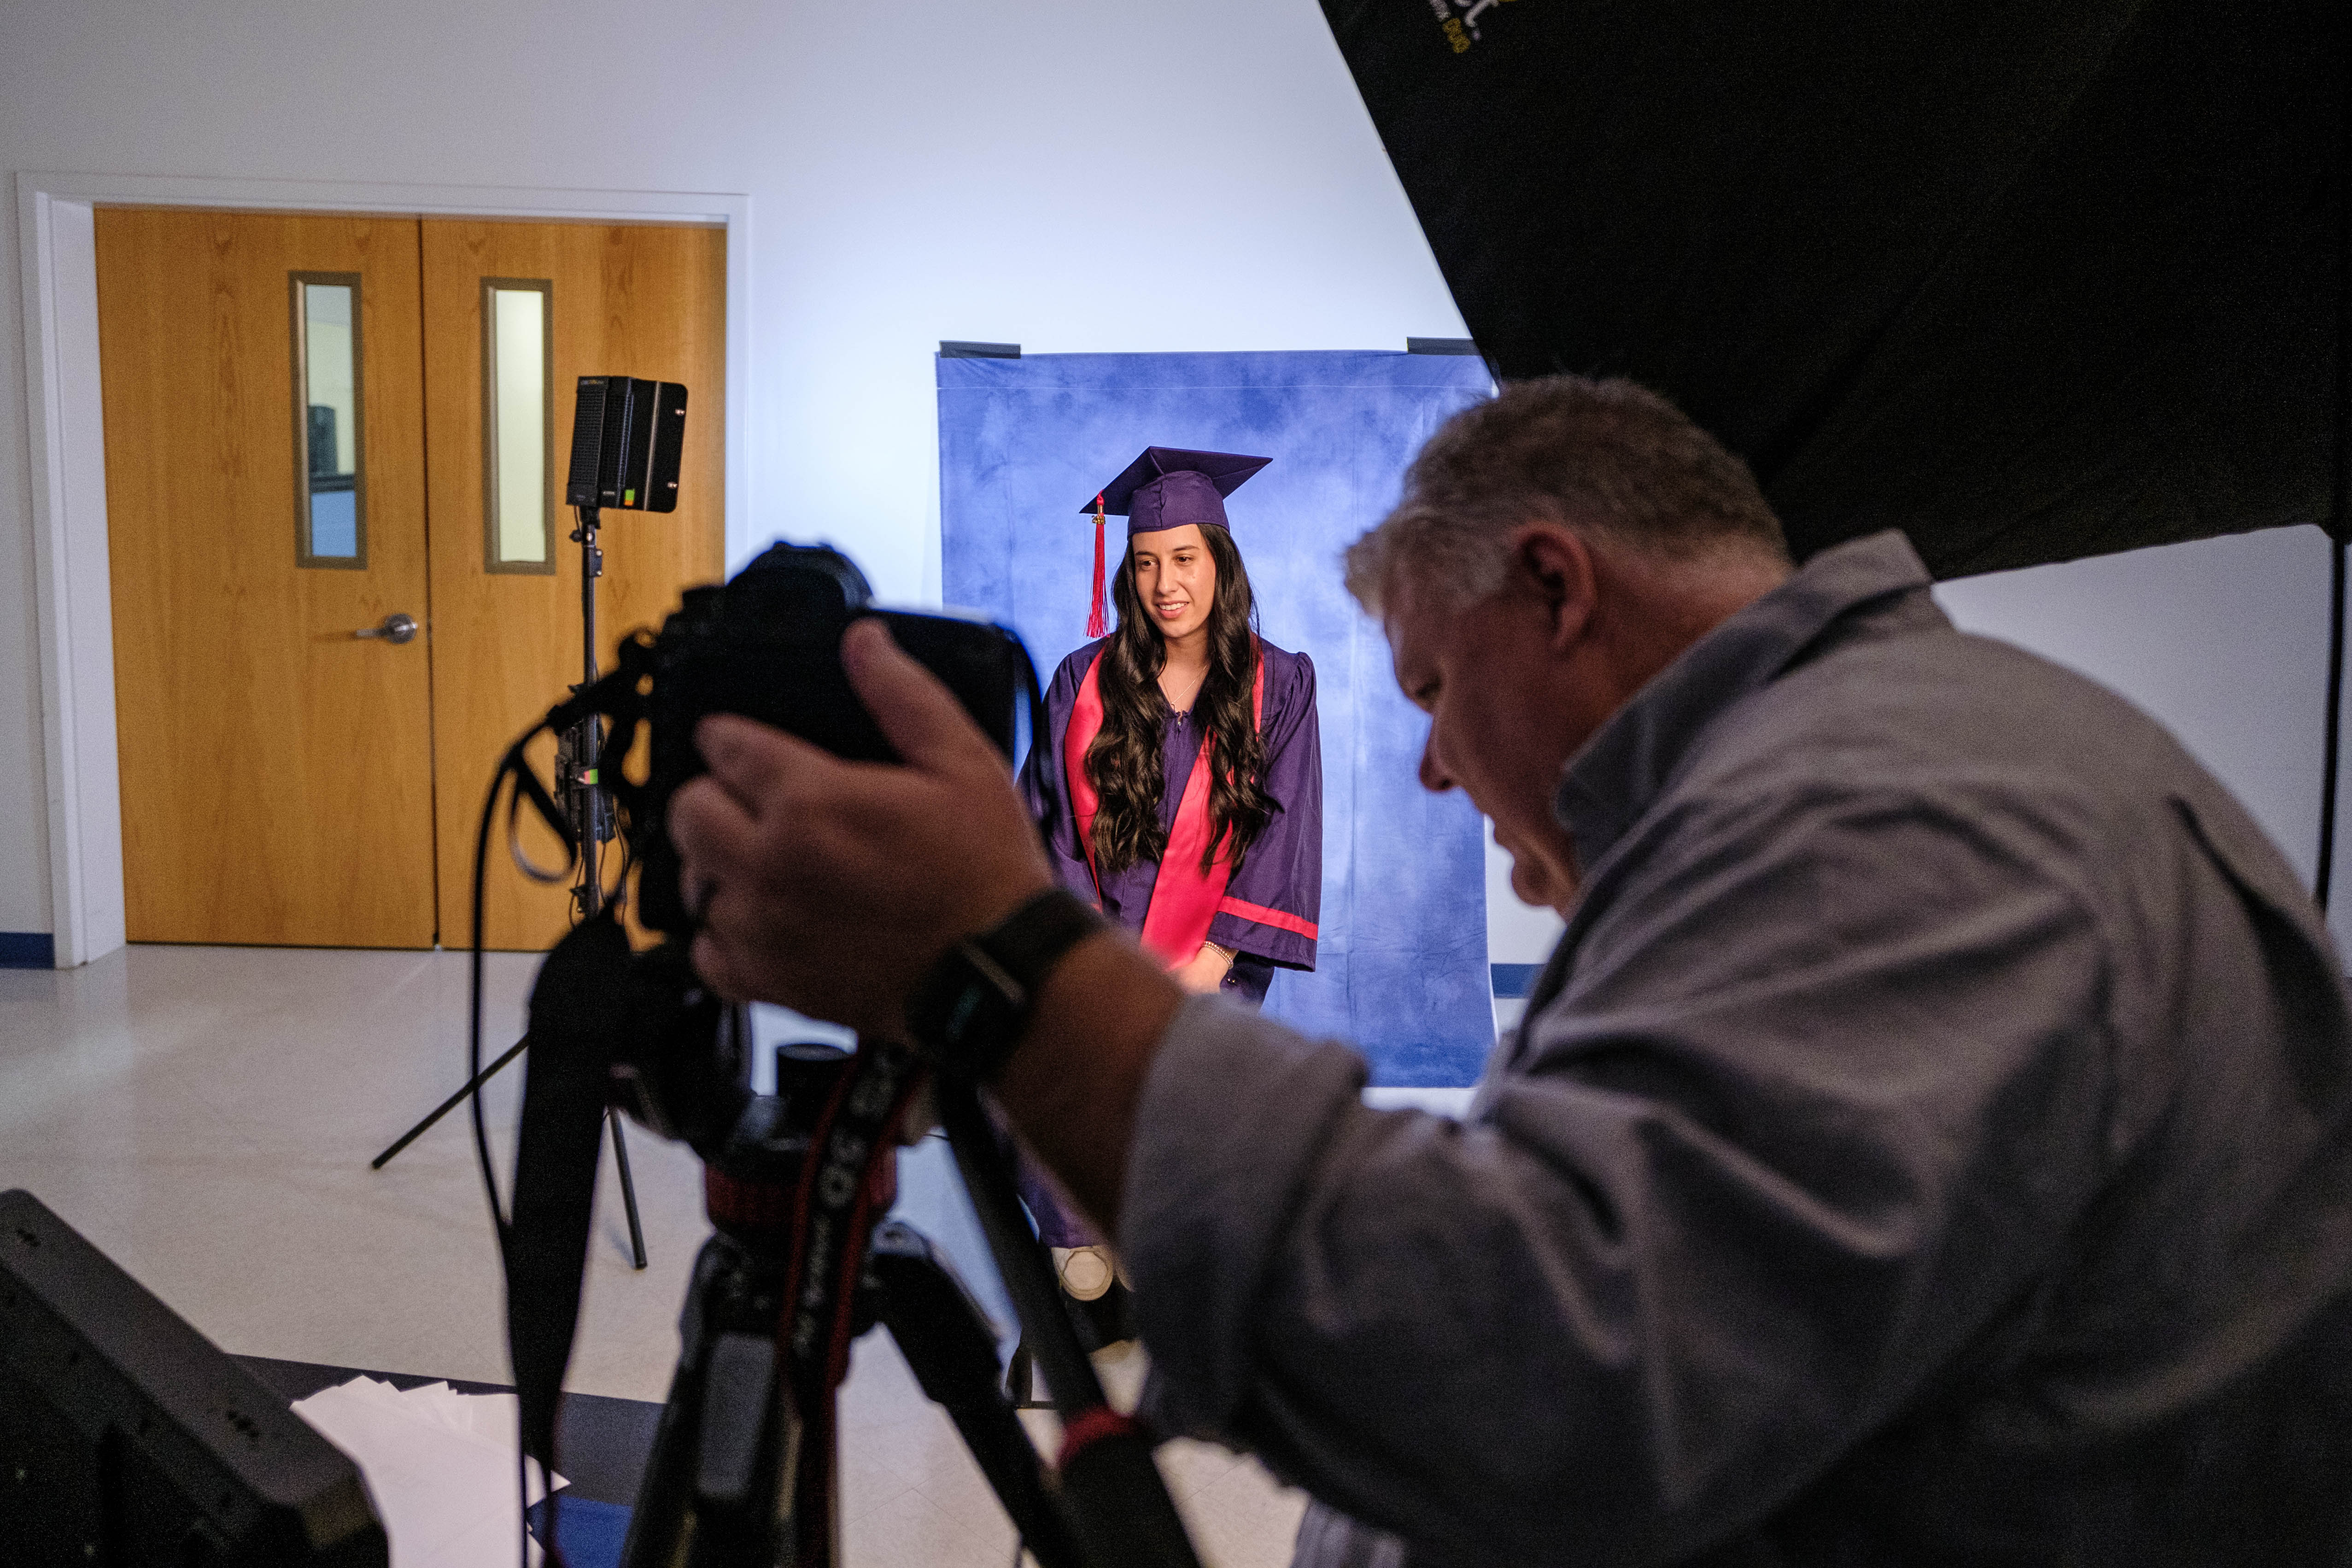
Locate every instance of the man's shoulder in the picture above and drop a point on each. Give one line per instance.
(1912, 710)
(1981, 734)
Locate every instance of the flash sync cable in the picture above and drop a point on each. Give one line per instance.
(514, 777)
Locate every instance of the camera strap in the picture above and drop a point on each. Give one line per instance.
(843, 1191)
(579, 1021)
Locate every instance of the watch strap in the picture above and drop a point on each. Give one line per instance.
(971, 1008)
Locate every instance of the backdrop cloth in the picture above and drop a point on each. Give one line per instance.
(1401, 967)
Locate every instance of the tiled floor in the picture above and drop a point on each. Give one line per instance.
(206, 1115)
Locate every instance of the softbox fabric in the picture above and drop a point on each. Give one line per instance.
(2030, 281)
(1401, 968)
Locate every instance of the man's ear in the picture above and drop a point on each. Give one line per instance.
(1558, 564)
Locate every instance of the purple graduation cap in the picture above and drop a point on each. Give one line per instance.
(1167, 487)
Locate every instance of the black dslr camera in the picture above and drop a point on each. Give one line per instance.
(796, 1182)
(767, 646)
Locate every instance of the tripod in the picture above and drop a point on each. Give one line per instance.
(592, 816)
(743, 1469)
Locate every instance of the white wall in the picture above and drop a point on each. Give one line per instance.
(1067, 174)
(2224, 640)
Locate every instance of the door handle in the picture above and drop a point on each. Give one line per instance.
(394, 628)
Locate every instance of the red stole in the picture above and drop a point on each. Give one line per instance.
(1183, 899)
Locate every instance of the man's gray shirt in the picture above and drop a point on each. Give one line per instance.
(1928, 1143)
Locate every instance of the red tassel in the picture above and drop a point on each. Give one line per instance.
(1098, 619)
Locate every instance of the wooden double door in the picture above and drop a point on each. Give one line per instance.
(318, 428)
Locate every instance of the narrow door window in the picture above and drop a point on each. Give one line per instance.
(330, 490)
(519, 523)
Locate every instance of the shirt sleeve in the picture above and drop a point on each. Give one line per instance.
(1045, 787)
(1725, 1209)
(1275, 896)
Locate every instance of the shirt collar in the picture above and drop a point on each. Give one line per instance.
(1622, 770)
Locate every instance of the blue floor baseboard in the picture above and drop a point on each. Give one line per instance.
(27, 950)
(1515, 979)
(590, 1533)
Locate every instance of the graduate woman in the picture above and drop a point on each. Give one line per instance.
(1181, 778)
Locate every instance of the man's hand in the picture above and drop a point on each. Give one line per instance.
(832, 886)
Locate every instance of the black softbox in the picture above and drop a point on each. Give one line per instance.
(2030, 281)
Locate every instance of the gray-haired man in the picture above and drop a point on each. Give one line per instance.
(1928, 1142)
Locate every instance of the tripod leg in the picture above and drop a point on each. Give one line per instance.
(628, 1189)
(1115, 1496)
(953, 1356)
(472, 1085)
(1020, 1381)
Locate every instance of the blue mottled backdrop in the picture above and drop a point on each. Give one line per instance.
(1401, 964)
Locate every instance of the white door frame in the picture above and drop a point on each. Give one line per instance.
(73, 597)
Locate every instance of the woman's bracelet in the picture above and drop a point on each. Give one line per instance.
(1224, 952)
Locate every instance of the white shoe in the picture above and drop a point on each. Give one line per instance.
(1085, 1272)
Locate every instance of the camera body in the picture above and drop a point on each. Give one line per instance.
(639, 1030)
(767, 646)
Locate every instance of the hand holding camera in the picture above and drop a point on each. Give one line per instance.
(831, 886)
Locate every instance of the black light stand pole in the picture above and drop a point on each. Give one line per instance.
(593, 819)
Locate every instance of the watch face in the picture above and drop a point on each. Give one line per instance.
(964, 1016)
(971, 1006)
(960, 1019)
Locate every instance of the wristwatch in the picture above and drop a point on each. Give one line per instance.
(968, 1012)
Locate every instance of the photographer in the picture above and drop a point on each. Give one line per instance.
(1927, 1143)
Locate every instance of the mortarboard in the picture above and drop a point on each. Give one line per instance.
(1165, 488)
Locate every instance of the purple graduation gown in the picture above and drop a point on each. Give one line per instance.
(1274, 898)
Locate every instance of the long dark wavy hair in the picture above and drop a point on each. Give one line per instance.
(1124, 761)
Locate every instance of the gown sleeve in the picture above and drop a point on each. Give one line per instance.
(1047, 789)
(1276, 895)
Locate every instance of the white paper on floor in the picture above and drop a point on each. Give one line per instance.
(439, 1464)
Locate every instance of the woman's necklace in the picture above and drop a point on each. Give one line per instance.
(1191, 695)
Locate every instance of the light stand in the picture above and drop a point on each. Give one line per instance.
(592, 816)
(595, 818)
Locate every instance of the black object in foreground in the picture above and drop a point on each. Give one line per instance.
(127, 1438)
(2029, 281)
